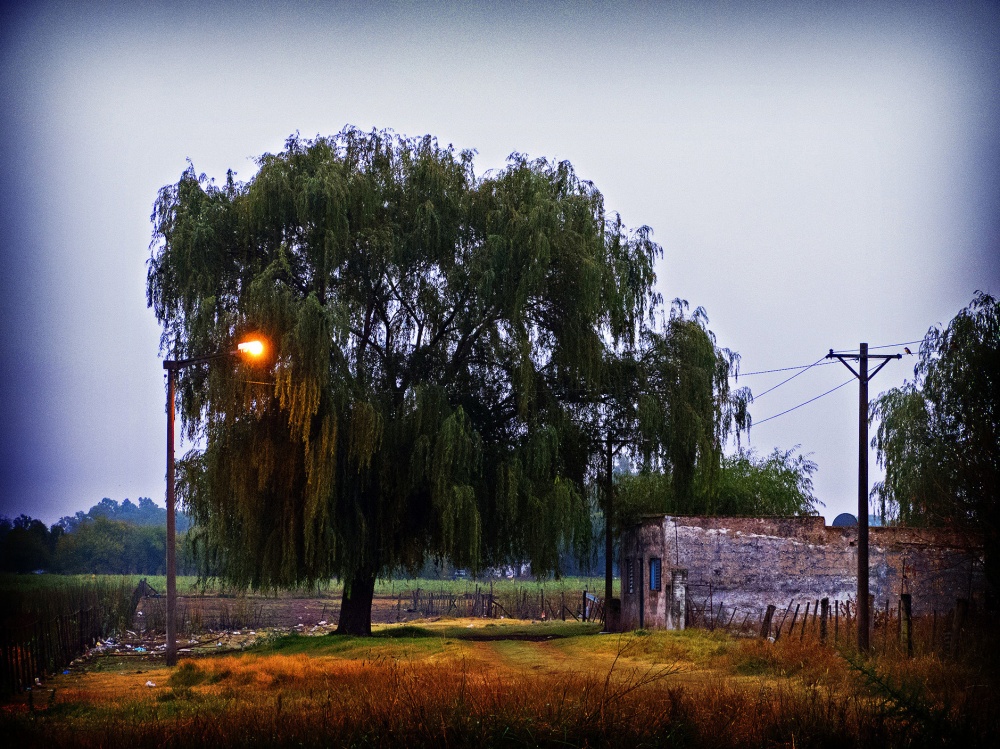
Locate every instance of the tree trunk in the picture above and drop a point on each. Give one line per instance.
(356, 605)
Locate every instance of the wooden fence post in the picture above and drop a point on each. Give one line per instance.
(804, 620)
(825, 603)
(871, 616)
(765, 627)
(906, 623)
(885, 634)
(791, 626)
(777, 634)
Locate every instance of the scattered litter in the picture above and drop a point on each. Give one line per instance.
(150, 684)
(38, 682)
(320, 624)
(140, 649)
(65, 672)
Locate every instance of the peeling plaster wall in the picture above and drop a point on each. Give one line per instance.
(752, 562)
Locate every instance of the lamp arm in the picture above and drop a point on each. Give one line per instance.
(176, 364)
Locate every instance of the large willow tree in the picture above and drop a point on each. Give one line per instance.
(938, 436)
(669, 405)
(423, 321)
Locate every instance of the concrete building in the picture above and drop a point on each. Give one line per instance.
(673, 565)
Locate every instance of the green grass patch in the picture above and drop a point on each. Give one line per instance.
(187, 675)
(354, 648)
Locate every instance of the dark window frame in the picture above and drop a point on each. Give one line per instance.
(655, 574)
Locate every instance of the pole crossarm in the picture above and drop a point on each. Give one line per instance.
(886, 358)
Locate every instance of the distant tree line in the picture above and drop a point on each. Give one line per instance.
(147, 512)
(110, 538)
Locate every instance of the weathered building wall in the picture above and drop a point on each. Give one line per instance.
(749, 563)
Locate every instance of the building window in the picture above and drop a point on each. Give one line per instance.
(629, 576)
(654, 573)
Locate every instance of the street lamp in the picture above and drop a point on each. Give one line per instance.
(253, 349)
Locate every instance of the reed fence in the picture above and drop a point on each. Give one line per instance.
(43, 629)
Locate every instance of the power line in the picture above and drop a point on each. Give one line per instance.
(805, 403)
(781, 369)
(789, 379)
(821, 363)
(894, 345)
(886, 345)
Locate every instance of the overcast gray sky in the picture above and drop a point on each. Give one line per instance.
(817, 176)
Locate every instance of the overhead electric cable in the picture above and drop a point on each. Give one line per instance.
(805, 403)
(818, 364)
(780, 369)
(789, 379)
(894, 345)
(885, 345)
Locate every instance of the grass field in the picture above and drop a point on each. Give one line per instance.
(190, 585)
(212, 605)
(473, 682)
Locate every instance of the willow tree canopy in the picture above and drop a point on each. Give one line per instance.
(422, 320)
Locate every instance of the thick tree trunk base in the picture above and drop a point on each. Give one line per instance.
(356, 606)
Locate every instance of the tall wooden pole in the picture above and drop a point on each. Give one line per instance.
(863, 613)
(862, 357)
(171, 525)
(608, 546)
(253, 348)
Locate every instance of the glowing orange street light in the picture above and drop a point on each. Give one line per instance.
(253, 348)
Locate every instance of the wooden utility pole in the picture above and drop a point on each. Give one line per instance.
(609, 488)
(862, 357)
(171, 522)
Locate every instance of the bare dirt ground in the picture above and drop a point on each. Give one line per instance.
(217, 623)
(215, 612)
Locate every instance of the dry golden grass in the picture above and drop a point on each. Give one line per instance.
(449, 684)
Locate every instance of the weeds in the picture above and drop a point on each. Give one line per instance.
(430, 686)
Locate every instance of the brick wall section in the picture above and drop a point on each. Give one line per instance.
(749, 563)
